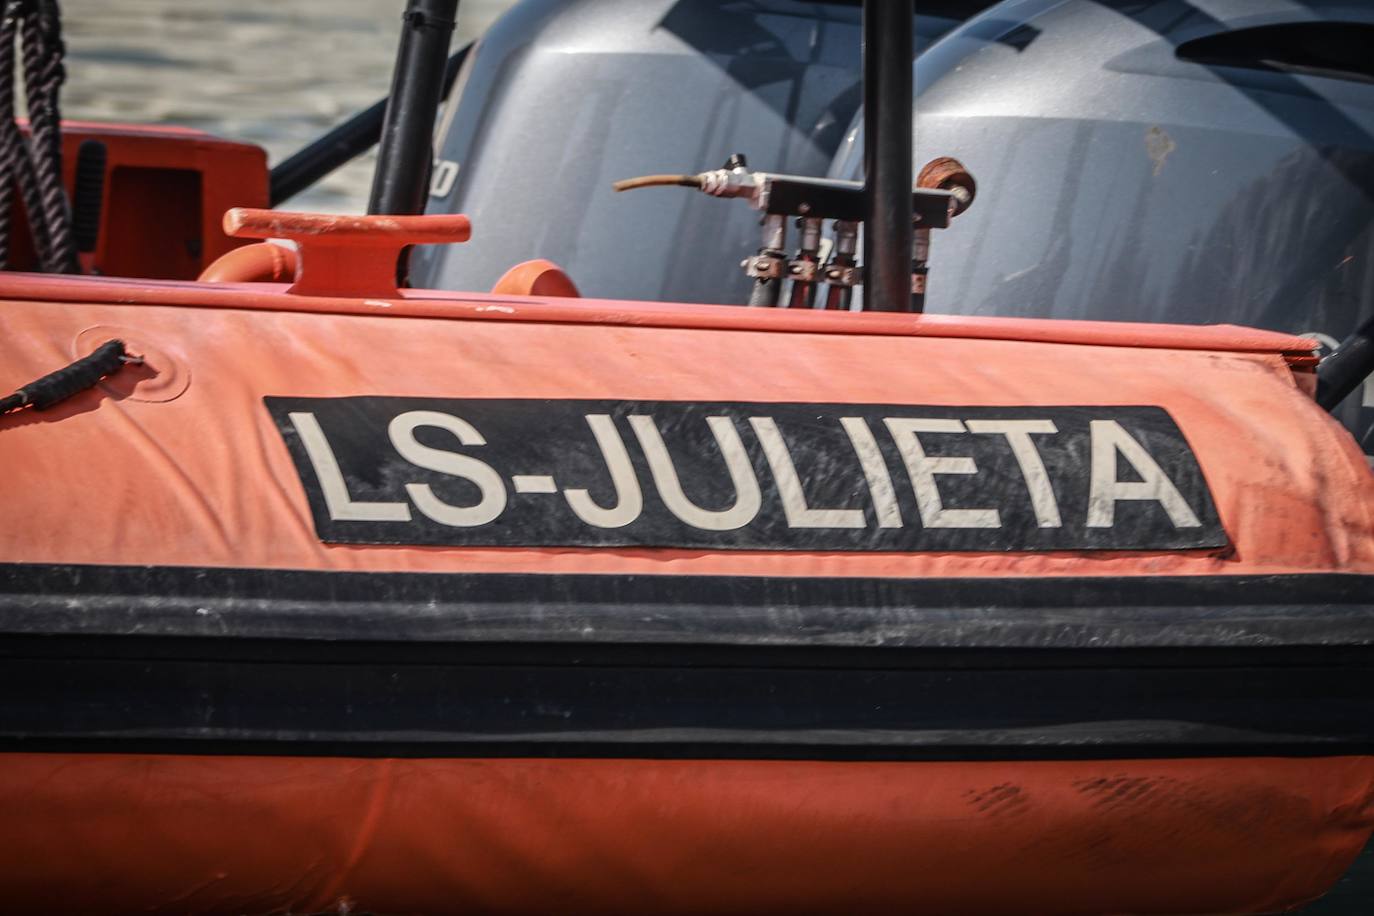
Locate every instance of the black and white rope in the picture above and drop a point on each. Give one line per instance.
(44, 74)
(34, 165)
(8, 24)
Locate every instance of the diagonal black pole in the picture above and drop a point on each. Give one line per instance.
(406, 153)
(343, 143)
(887, 54)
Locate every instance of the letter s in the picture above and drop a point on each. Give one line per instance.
(493, 501)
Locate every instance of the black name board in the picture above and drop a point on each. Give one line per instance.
(742, 476)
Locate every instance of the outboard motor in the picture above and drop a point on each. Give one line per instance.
(1165, 161)
(562, 98)
(1168, 161)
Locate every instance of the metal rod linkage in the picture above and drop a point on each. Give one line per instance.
(803, 268)
(840, 273)
(766, 267)
(920, 259)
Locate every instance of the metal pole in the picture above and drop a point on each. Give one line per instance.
(887, 51)
(406, 155)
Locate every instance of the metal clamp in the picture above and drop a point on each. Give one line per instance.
(847, 276)
(802, 270)
(764, 266)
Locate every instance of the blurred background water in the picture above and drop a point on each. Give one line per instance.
(273, 72)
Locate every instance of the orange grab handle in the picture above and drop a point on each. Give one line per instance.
(346, 256)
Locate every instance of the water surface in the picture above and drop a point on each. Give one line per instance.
(273, 72)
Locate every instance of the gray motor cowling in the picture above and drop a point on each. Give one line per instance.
(563, 97)
(1190, 162)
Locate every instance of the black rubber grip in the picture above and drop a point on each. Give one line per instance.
(74, 379)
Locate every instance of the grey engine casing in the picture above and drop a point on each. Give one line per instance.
(563, 97)
(1134, 166)
(1127, 169)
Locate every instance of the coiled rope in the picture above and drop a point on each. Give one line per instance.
(34, 164)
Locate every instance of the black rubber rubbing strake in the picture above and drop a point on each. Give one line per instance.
(1225, 612)
(70, 380)
(141, 659)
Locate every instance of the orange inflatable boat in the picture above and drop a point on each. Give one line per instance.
(424, 602)
(320, 594)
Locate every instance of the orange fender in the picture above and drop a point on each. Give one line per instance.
(536, 278)
(260, 263)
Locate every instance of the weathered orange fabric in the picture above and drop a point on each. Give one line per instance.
(187, 469)
(115, 834)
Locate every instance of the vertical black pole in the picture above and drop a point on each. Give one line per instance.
(406, 153)
(887, 154)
